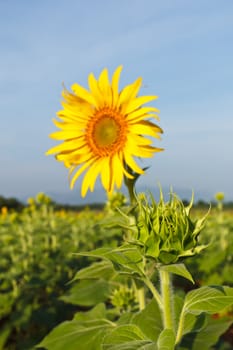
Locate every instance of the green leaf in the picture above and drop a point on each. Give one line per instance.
(178, 305)
(127, 337)
(192, 323)
(198, 303)
(116, 220)
(4, 334)
(125, 318)
(210, 299)
(125, 258)
(149, 320)
(133, 345)
(98, 253)
(88, 293)
(178, 269)
(166, 340)
(97, 312)
(207, 337)
(101, 269)
(72, 335)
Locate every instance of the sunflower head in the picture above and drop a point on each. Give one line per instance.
(103, 130)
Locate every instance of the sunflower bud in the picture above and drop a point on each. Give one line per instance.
(165, 230)
(115, 200)
(124, 298)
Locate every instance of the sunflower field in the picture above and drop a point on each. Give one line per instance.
(54, 297)
(139, 273)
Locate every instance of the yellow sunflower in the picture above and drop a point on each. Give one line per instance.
(102, 129)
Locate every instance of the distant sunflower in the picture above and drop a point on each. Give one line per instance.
(103, 130)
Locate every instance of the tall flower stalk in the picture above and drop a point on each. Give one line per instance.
(167, 299)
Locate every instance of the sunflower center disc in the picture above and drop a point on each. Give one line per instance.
(106, 131)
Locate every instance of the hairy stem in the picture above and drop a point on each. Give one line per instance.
(130, 186)
(154, 292)
(141, 298)
(167, 299)
(180, 327)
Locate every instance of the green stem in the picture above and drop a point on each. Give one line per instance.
(141, 298)
(130, 186)
(154, 292)
(180, 327)
(167, 299)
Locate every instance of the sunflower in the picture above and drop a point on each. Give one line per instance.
(102, 129)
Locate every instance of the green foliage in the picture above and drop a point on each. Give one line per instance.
(209, 299)
(178, 269)
(145, 329)
(207, 337)
(150, 325)
(36, 264)
(87, 293)
(126, 258)
(70, 281)
(215, 265)
(86, 329)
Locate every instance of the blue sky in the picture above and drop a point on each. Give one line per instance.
(182, 49)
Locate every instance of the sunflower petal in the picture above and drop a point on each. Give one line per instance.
(105, 87)
(138, 102)
(65, 146)
(146, 151)
(83, 94)
(128, 93)
(146, 128)
(117, 170)
(90, 177)
(132, 164)
(72, 98)
(141, 113)
(105, 174)
(69, 125)
(115, 84)
(66, 135)
(94, 88)
(77, 156)
(79, 172)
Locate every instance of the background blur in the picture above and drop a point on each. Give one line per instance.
(182, 49)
